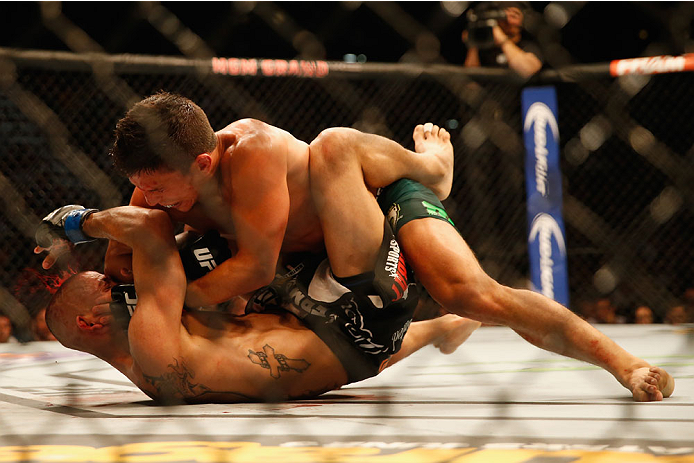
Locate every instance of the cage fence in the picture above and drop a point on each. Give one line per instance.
(627, 147)
(626, 159)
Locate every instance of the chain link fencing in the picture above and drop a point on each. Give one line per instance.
(626, 143)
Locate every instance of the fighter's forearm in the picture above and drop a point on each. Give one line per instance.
(134, 227)
(234, 277)
(118, 258)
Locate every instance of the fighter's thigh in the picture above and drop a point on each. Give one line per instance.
(350, 216)
(381, 161)
(444, 263)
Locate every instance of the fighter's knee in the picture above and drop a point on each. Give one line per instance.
(331, 146)
(478, 299)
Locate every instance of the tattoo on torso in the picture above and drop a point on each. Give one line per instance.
(178, 382)
(275, 362)
(177, 385)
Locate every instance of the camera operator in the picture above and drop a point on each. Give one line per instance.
(494, 38)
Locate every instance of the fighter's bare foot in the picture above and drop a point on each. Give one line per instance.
(455, 331)
(648, 384)
(435, 141)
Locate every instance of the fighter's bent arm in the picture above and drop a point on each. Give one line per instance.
(118, 258)
(155, 330)
(259, 201)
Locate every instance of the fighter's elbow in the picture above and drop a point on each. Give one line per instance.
(263, 276)
(256, 269)
(155, 217)
(157, 222)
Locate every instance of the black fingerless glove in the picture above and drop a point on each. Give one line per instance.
(204, 254)
(123, 305)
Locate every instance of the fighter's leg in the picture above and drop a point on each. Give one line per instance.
(449, 270)
(383, 161)
(446, 333)
(351, 219)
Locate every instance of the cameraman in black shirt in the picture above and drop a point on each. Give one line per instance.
(494, 38)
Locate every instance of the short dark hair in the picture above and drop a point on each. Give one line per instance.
(164, 130)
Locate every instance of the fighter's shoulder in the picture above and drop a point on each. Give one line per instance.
(248, 135)
(248, 128)
(246, 123)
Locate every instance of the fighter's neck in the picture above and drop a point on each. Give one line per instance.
(118, 357)
(208, 183)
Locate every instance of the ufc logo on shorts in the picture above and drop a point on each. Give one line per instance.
(130, 303)
(205, 259)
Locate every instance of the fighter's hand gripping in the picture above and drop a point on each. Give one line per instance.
(60, 228)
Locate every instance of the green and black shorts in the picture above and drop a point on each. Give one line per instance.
(407, 200)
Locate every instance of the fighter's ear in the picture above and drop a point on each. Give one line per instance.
(203, 162)
(86, 325)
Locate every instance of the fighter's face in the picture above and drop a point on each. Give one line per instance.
(168, 188)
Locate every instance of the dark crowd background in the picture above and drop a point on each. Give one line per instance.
(386, 32)
(627, 144)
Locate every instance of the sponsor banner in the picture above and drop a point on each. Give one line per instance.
(546, 242)
(652, 65)
(269, 67)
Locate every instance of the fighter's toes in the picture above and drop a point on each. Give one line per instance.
(651, 384)
(444, 135)
(425, 132)
(422, 132)
(645, 392)
(434, 142)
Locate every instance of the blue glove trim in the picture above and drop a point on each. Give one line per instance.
(73, 225)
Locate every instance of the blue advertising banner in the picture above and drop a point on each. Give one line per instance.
(546, 237)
